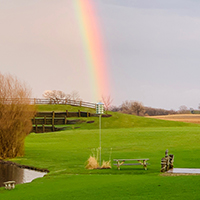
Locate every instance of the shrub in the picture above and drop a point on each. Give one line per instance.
(15, 116)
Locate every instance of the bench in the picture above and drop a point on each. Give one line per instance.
(141, 161)
(9, 184)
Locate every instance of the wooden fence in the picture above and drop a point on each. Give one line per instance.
(63, 102)
(46, 121)
(44, 129)
(58, 101)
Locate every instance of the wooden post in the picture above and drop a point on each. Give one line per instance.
(65, 120)
(80, 103)
(67, 113)
(36, 128)
(53, 116)
(43, 128)
(87, 114)
(45, 120)
(79, 113)
(34, 120)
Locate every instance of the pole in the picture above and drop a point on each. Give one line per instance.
(100, 139)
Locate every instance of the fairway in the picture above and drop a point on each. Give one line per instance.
(65, 154)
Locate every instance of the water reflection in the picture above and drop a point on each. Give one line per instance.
(10, 172)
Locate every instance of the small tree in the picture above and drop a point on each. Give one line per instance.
(126, 107)
(183, 110)
(132, 107)
(74, 95)
(107, 101)
(15, 116)
(138, 108)
(55, 96)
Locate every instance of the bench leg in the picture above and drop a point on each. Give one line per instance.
(145, 164)
(119, 164)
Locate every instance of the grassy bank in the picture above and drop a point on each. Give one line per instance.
(118, 120)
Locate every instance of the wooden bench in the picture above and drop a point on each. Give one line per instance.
(141, 161)
(9, 184)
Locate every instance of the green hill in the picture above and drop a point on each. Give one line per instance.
(117, 120)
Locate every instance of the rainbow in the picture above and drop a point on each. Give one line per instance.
(93, 47)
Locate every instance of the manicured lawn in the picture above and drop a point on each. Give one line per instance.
(65, 153)
(107, 187)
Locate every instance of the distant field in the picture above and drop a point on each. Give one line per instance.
(190, 118)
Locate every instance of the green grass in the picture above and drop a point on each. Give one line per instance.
(65, 153)
(118, 120)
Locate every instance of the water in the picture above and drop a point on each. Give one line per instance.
(10, 172)
(184, 171)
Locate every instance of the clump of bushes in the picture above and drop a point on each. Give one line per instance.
(15, 116)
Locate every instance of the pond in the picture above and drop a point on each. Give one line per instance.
(10, 172)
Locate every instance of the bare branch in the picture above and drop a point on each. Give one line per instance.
(107, 101)
(15, 116)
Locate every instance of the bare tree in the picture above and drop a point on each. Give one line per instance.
(74, 95)
(183, 110)
(55, 96)
(107, 101)
(132, 107)
(15, 116)
(138, 108)
(126, 107)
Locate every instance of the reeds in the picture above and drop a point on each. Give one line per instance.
(92, 162)
(106, 165)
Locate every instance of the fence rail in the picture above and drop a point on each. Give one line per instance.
(43, 129)
(57, 101)
(63, 102)
(64, 114)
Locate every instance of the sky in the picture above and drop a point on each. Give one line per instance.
(151, 49)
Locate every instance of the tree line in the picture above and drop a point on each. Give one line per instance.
(127, 107)
(137, 108)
